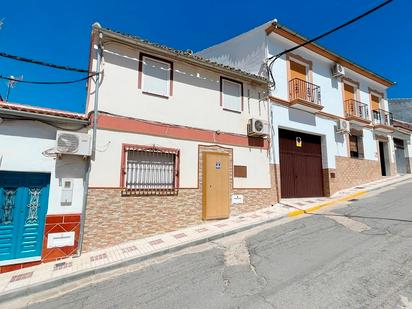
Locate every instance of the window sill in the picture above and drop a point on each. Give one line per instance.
(156, 95)
(149, 192)
(231, 110)
(357, 158)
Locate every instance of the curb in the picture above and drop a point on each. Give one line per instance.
(299, 212)
(46, 285)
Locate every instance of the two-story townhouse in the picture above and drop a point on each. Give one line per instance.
(174, 143)
(330, 120)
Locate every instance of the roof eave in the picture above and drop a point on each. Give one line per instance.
(42, 117)
(148, 47)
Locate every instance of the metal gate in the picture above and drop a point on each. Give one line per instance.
(300, 164)
(401, 164)
(23, 208)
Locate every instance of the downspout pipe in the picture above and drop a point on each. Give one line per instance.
(93, 155)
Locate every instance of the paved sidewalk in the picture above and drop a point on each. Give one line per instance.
(44, 276)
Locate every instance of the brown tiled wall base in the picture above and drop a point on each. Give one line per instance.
(54, 224)
(112, 218)
(350, 172)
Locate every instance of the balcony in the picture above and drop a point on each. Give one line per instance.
(304, 95)
(357, 112)
(382, 121)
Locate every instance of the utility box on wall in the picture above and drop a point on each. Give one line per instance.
(67, 192)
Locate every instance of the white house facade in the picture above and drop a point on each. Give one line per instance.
(174, 144)
(327, 112)
(41, 193)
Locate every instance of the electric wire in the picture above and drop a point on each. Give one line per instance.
(48, 82)
(273, 58)
(38, 62)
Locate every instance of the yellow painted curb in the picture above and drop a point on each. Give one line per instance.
(326, 204)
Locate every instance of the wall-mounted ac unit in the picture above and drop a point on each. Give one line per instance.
(73, 143)
(257, 127)
(338, 70)
(343, 126)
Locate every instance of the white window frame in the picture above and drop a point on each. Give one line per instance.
(225, 80)
(168, 82)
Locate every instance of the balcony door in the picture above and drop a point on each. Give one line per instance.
(375, 100)
(349, 92)
(297, 70)
(349, 97)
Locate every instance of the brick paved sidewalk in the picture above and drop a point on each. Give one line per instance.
(44, 276)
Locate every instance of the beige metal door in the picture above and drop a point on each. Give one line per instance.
(216, 185)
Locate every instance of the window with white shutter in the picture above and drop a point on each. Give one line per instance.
(156, 76)
(231, 95)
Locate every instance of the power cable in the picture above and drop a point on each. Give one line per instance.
(47, 82)
(51, 65)
(275, 57)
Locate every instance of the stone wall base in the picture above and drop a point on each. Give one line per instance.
(351, 172)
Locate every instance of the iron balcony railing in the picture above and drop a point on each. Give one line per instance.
(303, 90)
(383, 117)
(356, 108)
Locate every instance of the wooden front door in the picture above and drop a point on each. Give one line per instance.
(300, 164)
(216, 185)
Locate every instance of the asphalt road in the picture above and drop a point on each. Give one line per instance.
(325, 260)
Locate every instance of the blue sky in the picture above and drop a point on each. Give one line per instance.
(59, 32)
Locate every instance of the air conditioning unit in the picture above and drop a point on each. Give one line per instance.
(73, 143)
(338, 70)
(343, 126)
(257, 127)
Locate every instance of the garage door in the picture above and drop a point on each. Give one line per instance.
(300, 164)
(401, 164)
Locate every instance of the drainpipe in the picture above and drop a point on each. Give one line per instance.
(271, 130)
(93, 155)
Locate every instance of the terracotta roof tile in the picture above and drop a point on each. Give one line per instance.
(42, 111)
(187, 54)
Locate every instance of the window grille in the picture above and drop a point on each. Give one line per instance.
(150, 171)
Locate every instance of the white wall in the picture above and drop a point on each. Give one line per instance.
(246, 51)
(106, 168)
(370, 147)
(22, 144)
(195, 101)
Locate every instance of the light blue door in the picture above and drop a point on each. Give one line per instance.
(23, 208)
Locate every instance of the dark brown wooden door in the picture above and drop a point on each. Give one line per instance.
(300, 164)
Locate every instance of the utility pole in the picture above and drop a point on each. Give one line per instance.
(11, 84)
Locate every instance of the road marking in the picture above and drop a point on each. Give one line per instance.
(353, 225)
(326, 204)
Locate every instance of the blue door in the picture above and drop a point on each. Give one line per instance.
(23, 207)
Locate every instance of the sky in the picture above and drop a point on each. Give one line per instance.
(59, 32)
